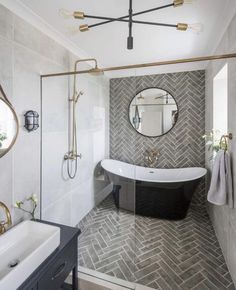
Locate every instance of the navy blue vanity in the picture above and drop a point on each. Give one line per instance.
(52, 273)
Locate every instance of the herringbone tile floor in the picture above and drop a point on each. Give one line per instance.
(157, 253)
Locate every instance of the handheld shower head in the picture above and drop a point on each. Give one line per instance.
(77, 96)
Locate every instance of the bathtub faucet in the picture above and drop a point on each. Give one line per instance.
(151, 157)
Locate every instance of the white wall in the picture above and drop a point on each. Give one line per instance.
(25, 53)
(220, 101)
(64, 200)
(224, 218)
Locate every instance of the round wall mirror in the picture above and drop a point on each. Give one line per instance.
(9, 125)
(153, 112)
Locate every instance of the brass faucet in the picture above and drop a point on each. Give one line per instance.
(151, 157)
(8, 221)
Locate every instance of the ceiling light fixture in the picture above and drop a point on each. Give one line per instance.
(130, 20)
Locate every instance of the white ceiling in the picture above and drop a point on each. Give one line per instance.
(108, 43)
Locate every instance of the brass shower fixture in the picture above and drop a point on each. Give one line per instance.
(141, 97)
(130, 21)
(71, 157)
(93, 71)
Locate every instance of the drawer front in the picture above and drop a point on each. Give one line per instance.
(58, 270)
(29, 285)
(30, 288)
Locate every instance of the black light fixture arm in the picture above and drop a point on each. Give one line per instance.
(130, 19)
(134, 21)
(109, 19)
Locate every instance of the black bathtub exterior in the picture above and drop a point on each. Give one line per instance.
(161, 200)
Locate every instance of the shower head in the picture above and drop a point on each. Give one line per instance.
(96, 71)
(141, 97)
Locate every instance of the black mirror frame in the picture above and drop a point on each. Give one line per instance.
(139, 92)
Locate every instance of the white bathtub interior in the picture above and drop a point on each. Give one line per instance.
(160, 175)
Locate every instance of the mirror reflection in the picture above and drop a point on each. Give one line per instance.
(153, 112)
(8, 125)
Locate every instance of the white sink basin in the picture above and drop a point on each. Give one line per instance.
(27, 245)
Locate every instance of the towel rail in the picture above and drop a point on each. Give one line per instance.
(224, 141)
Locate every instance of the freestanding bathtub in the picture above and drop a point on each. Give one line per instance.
(154, 192)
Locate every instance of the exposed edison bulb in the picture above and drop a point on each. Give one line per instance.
(196, 27)
(73, 30)
(66, 13)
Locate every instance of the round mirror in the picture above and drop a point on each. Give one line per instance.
(8, 124)
(153, 112)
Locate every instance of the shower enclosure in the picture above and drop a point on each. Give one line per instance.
(75, 190)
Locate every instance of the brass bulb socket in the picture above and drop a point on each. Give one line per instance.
(84, 27)
(182, 26)
(178, 3)
(78, 15)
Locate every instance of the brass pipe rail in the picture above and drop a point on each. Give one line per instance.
(150, 64)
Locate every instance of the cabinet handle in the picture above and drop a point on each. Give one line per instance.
(59, 270)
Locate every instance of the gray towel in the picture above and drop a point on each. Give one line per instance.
(221, 188)
(229, 181)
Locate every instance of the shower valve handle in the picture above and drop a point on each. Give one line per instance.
(72, 156)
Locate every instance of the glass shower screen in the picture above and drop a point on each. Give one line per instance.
(100, 202)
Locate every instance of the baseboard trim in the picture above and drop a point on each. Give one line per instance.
(103, 277)
(109, 282)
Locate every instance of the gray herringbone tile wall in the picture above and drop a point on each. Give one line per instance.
(183, 146)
